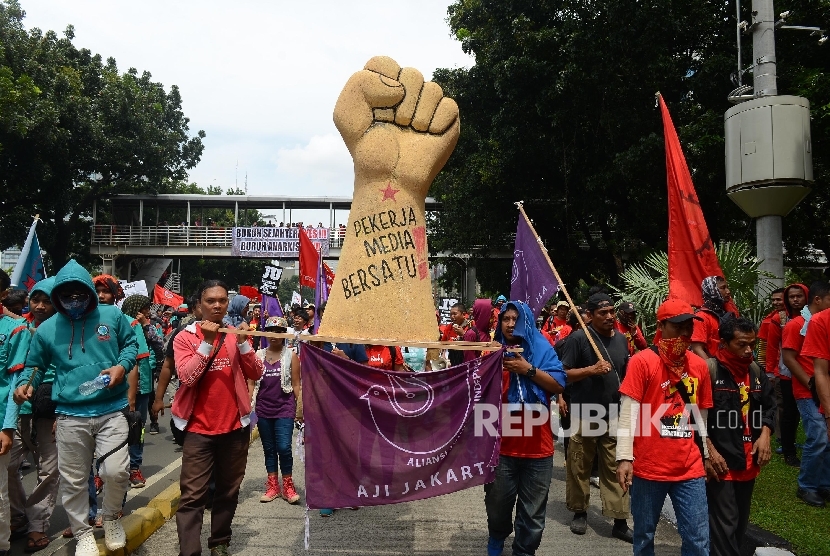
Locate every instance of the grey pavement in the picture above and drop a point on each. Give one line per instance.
(453, 524)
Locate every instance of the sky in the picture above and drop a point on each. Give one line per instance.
(260, 77)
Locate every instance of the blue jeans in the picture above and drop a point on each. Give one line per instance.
(690, 507)
(137, 451)
(815, 454)
(93, 496)
(523, 483)
(275, 434)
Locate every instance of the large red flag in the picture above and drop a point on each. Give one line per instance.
(308, 261)
(691, 251)
(166, 297)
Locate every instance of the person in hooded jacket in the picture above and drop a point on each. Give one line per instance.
(237, 310)
(479, 330)
(14, 341)
(526, 461)
(795, 299)
(83, 341)
(36, 510)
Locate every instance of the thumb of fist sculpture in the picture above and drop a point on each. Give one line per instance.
(400, 132)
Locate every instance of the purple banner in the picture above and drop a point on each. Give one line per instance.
(375, 437)
(533, 281)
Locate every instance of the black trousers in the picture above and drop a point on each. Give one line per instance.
(729, 503)
(789, 417)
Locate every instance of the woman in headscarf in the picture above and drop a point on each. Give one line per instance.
(237, 310)
(717, 303)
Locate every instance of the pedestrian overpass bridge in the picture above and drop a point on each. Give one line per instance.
(152, 230)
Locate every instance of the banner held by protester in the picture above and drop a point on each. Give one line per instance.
(378, 437)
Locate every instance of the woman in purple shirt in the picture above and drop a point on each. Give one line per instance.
(276, 409)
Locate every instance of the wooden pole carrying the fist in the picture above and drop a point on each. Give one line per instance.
(459, 345)
(559, 280)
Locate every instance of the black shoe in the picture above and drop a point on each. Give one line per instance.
(792, 460)
(824, 493)
(579, 525)
(154, 428)
(810, 498)
(622, 532)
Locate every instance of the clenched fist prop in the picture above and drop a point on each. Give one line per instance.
(400, 132)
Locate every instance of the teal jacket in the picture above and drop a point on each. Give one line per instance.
(14, 343)
(44, 286)
(146, 360)
(81, 349)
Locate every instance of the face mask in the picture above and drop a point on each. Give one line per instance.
(75, 308)
(673, 353)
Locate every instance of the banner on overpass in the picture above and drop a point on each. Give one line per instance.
(276, 243)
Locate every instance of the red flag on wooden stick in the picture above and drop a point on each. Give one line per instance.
(166, 297)
(692, 254)
(308, 261)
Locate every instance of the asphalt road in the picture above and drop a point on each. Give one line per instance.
(162, 461)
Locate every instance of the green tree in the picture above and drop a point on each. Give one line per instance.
(559, 111)
(73, 129)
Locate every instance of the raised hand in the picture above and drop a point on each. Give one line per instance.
(400, 132)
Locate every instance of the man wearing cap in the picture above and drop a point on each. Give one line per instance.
(668, 389)
(556, 326)
(626, 324)
(594, 386)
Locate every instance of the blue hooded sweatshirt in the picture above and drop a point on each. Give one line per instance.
(14, 342)
(80, 349)
(235, 308)
(537, 351)
(44, 287)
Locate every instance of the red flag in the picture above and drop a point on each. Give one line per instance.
(691, 251)
(251, 293)
(308, 261)
(329, 278)
(166, 297)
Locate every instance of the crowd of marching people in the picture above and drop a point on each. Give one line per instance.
(694, 413)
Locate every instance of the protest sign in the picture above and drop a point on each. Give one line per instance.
(138, 287)
(276, 243)
(444, 305)
(405, 437)
(270, 280)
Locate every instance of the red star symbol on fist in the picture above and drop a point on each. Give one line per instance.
(388, 193)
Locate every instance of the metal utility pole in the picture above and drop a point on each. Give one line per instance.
(768, 145)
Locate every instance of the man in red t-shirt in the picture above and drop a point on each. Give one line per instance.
(814, 473)
(213, 407)
(817, 346)
(525, 467)
(776, 299)
(456, 329)
(740, 425)
(659, 448)
(380, 357)
(795, 298)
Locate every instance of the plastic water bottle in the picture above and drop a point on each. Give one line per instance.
(90, 386)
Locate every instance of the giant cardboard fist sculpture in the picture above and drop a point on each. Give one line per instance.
(400, 132)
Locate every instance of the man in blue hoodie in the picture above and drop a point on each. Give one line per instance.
(14, 341)
(526, 455)
(85, 340)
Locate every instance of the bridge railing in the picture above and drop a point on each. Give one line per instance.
(178, 236)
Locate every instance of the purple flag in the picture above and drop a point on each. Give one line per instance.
(321, 291)
(377, 437)
(270, 308)
(533, 281)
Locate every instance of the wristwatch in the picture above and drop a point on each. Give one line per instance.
(531, 372)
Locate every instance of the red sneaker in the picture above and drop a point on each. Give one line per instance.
(99, 484)
(136, 478)
(288, 491)
(272, 489)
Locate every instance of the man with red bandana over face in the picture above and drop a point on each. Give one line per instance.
(658, 450)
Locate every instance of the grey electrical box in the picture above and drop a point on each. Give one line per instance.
(769, 160)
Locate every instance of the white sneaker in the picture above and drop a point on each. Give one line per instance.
(87, 546)
(114, 535)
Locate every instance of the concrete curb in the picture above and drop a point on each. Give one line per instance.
(143, 522)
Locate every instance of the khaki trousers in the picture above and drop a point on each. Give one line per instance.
(38, 507)
(582, 449)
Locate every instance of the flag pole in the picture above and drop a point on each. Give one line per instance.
(521, 208)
